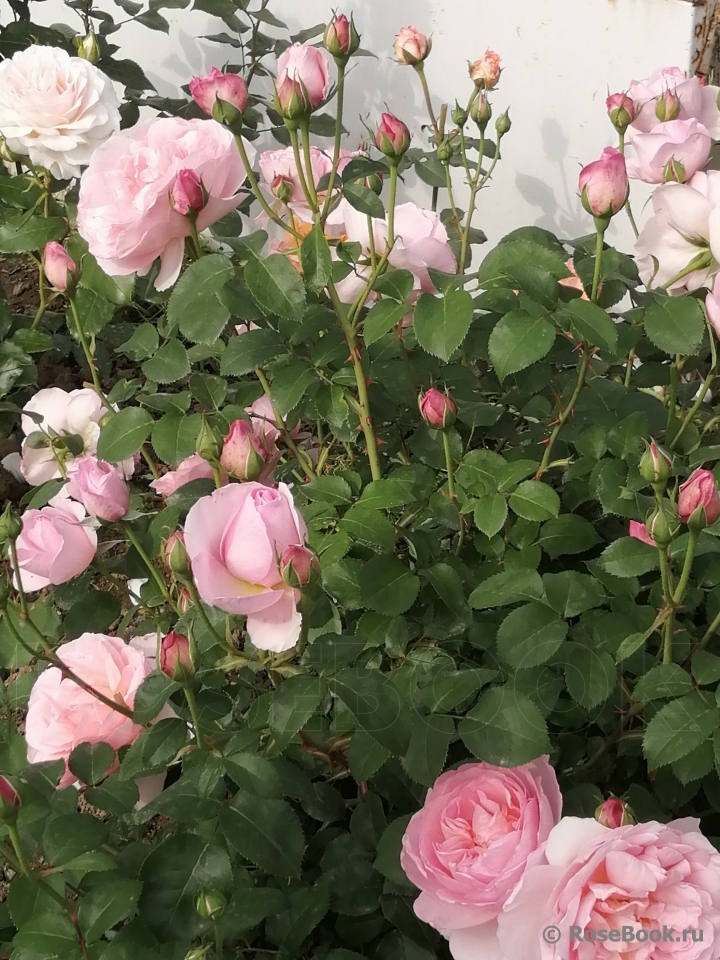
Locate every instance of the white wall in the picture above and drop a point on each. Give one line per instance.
(560, 58)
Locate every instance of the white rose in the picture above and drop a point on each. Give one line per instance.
(55, 109)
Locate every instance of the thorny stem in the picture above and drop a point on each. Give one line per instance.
(257, 192)
(88, 355)
(565, 415)
(189, 583)
(153, 570)
(679, 593)
(476, 185)
(599, 244)
(304, 461)
(301, 172)
(420, 70)
(194, 713)
(702, 392)
(449, 466)
(305, 131)
(338, 140)
(43, 305)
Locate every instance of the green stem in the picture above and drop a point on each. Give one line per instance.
(707, 382)
(305, 132)
(565, 415)
(88, 355)
(194, 713)
(420, 70)
(672, 395)
(391, 205)
(147, 456)
(449, 466)
(475, 186)
(301, 172)
(17, 847)
(257, 192)
(189, 583)
(371, 243)
(304, 461)
(195, 238)
(631, 218)
(18, 577)
(153, 570)
(665, 574)
(709, 633)
(693, 535)
(217, 475)
(43, 305)
(218, 938)
(629, 368)
(686, 271)
(338, 139)
(451, 198)
(599, 244)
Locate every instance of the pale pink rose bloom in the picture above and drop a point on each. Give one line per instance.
(698, 101)
(304, 69)
(684, 225)
(262, 416)
(648, 875)
(639, 532)
(124, 209)
(700, 489)
(191, 468)
(234, 540)
(61, 715)
(55, 109)
(686, 142)
(57, 265)
(480, 829)
(712, 306)
(486, 71)
(411, 46)
(54, 545)
(99, 486)
(217, 85)
(604, 183)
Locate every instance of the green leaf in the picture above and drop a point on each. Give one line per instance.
(449, 688)
(91, 761)
(397, 284)
(23, 234)
(47, 936)
(505, 728)
(315, 260)
(705, 667)
(330, 652)
(267, 834)
(105, 905)
(194, 303)
(117, 290)
(174, 874)
(70, 835)
(256, 348)
(589, 675)
(590, 323)
(290, 381)
(169, 364)
(143, 343)
(377, 706)
(124, 434)
(629, 557)
(481, 471)
(572, 593)
(387, 861)
(490, 514)
(276, 285)
(499, 266)
(442, 323)
(675, 324)
(630, 644)
(534, 500)
(663, 681)
(568, 533)
(383, 316)
(448, 586)
(369, 527)
(208, 389)
(363, 199)
(95, 313)
(387, 585)
(154, 749)
(152, 694)
(428, 748)
(174, 436)
(293, 704)
(114, 795)
(519, 340)
(329, 489)
(510, 586)
(678, 728)
(93, 613)
(530, 635)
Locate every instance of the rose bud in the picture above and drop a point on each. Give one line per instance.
(621, 111)
(176, 558)
(658, 529)
(58, 265)
(230, 88)
(503, 124)
(667, 107)
(99, 486)
(187, 193)
(175, 659)
(374, 182)
(392, 137)
(282, 187)
(655, 464)
(699, 501)
(437, 409)
(208, 445)
(485, 72)
(303, 81)
(603, 184)
(243, 455)
(341, 38)
(459, 115)
(10, 524)
(211, 906)
(411, 47)
(481, 112)
(298, 565)
(615, 813)
(9, 800)
(87, 47)
(185, 600)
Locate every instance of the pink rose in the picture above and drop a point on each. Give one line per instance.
(603, 184)
(187, 193)
(621, 110)
(437, 409)
(486, 71)
(99, 486)
(341, 38)
(243, 455)
(683, 231)
(639, 532)
(392, 137)
(649, 877)
(57, 264)
(234, 540)
(303, 78)
(61, 715)
(411, 47)
(298, 565)
(123, 209)
(712, 306)
(699, 490)
(480, 829)
(671, 151)
(217, 85)
(54, 544)
(191, 468)
(696, 100)
(614, 813)
(176, 659)
(262, 415)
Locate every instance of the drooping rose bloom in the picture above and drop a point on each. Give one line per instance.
(57, 265)
(303, 76)
(61, 715)
(699, 490)
(235, 539)
(683, 144)
(54, 544)
(411, 47)
(191, 468)
(480, 829)
(99, 486)
(55, 109)
(603, 184)
(648, 876)
(683, 231)
(124, 209)
(697, 101)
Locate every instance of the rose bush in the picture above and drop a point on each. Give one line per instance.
(360, 585)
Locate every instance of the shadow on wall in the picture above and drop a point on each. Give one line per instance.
(561, 215)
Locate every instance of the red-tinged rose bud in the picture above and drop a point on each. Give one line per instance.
(9, 800)
(603, 184)
(176, 658)
(698, 500)
(298, 565)
(486, 71)
(341, 38)
(411, 47)
(303, 81)
(655, 464)
(59, 268)
(187, 193)
(392, 137)
(243, 455)
(228, 87)
(615, 813)
(176, 558)
(185, 600)
(621, 111)
(282, 187)
(437, 409)
(667, 107)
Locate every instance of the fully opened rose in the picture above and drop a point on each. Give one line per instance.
(235, 540)
(124, 210)
(55, 545)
